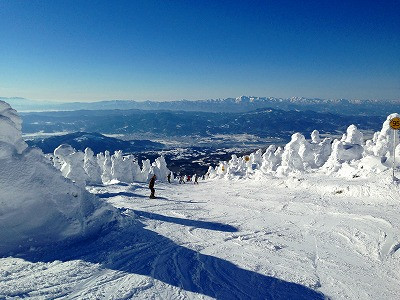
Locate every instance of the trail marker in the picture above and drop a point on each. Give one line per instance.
(395, 125)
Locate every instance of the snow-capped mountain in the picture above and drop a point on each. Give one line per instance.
(239, 104)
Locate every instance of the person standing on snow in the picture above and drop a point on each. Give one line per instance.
(196, 178)
(151, 186)
(169, 177)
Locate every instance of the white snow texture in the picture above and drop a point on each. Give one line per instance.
(37, 204)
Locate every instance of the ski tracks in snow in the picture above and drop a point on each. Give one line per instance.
(231, 240)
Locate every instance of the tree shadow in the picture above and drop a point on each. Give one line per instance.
(136, 250)
(126, 194)
(178, 201)
(186, 222)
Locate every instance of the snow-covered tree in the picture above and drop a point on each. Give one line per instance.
(91, 167)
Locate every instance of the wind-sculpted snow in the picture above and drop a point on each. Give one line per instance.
(348, 156)
(38, 206)
(85, 168)
(10, 131)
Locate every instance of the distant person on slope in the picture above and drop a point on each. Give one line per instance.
(151, 186)
(196, 178)
(169, 177)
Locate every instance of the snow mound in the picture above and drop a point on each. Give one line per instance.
(38, 206)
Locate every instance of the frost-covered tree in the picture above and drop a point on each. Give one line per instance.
(291, 159)
(348, 149)
(160, 168)
(72, 166)
(106, 176)
(269, 160)
(91, 167)
(121, 167)
(382, 142)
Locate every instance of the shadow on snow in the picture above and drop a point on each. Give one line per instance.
(136, 250)
(126, 194)
(186, 222)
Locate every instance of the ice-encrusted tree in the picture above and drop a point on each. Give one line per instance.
(72, 166)
(382, 142)
(160, 168)
(106, 176)
(91, 167)
(121, 167)
(269, 160)
(348, 149)
(291, 159)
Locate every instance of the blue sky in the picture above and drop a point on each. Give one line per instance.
(171, 50)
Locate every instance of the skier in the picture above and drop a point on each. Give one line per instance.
(188, 178)
(151, 186)
(169, 177)
(196, 178)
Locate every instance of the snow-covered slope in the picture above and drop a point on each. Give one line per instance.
(271, 238)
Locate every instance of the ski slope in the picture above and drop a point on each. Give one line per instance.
(304, 237)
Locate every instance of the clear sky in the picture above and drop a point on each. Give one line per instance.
(171, 50)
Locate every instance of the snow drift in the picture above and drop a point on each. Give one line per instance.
(38, 205)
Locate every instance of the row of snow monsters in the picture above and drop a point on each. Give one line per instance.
(301, 155)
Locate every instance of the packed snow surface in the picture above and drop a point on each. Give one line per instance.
(270, 238)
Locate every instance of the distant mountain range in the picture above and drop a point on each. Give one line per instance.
(262, 122)
(239, 104)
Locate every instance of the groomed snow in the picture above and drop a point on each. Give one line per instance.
(229, 239)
